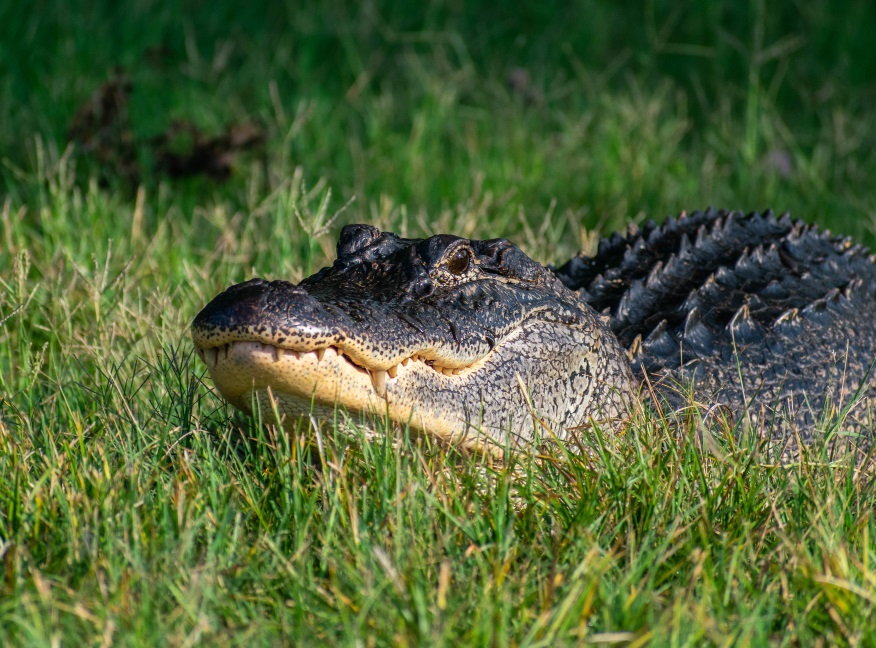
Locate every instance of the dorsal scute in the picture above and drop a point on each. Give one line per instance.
(697, 336)
(692, 286)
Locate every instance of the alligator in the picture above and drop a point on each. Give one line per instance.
(764, 321)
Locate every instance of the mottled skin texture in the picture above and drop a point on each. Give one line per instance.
(764, 321)
(767, 321)
(472, 341)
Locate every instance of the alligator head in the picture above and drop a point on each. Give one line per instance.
(468, 340)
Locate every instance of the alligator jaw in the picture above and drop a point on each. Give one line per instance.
(300, 383)
(229, 362)
(302, 379)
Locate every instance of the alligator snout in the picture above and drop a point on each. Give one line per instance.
(272, 312)
(256, 301)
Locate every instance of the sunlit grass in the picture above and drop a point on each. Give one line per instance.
(136, 509)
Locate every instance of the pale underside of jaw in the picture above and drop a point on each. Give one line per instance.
(314, 383)
(269, 354)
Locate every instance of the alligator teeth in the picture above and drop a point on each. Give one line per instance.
(210, 357)
(378, 379)
(405, 362)
(320, 354)
(392, 371)
(275, 353)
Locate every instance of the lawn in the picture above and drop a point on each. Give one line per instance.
(137, 509)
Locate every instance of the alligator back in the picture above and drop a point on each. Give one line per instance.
(765, 315)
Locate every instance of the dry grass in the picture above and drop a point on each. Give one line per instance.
(134, 509)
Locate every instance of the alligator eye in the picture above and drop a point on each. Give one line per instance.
(458, 261)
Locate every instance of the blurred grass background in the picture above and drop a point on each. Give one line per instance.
(134, 511)
(612, 110)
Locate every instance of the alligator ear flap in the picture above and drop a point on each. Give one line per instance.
(743, 328)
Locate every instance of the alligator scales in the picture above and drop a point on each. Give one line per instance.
(768, 321)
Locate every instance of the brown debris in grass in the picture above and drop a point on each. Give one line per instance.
(184, 150)
(101, 128)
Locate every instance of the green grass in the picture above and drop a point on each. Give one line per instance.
(136, 510)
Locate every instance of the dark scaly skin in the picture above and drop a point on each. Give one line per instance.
(472, 341)
(770, 320)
